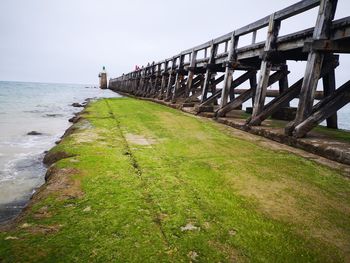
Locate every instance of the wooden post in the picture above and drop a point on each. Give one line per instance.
(164, 80)
(324, 109)
(191, 68)
(254, 37)
(314, 64)
(283, 84)
(259, 101)
(179, 78)
(328, 89)
(208, 73)
(170, 79)
(229, 70)
(253, 84)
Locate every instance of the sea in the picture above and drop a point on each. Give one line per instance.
(25, 107)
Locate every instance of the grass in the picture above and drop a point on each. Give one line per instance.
(119, 200)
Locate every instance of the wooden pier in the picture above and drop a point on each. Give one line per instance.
(191, 79)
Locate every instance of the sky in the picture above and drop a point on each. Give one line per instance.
(68, 41)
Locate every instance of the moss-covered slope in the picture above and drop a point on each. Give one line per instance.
(140, 182)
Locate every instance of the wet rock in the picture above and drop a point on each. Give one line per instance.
(77, 105)
(53, 115)
(52, 157)
(34, 133)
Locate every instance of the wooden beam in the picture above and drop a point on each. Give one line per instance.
(164, 80)
(245, 95)
(179, 78)
(208, 73)
(327, 45)
(329, 89)
(229, 68)
(191, 73)
(259, 101)
(324, 109)
(170, 79)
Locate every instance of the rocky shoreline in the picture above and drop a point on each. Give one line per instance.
(49, 159)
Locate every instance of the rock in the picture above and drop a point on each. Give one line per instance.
(189, 227)
(77, 105)
(232, 232)
(87, 209)
(11, 238)
(25, 225)
(52, 157)
(193, 255)
(34, 133)
(53, 115)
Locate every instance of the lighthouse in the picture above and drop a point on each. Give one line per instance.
(103, 78)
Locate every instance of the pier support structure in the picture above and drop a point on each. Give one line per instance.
(208, 77)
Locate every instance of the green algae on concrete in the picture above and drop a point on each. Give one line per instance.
(141, 182)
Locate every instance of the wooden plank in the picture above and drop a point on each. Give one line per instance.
(325, 109)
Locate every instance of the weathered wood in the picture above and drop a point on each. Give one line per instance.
(245, 95)
(254, 37)
(314, 64)
(209, 72)
(235, 103)
(164, 80)
(170, 79)
(240, 80)
(276, 104)
(289, 94)
(259, 101)
(333, 46)
(191, 73)
(179, 78)
(229, 68)
(325, 109)
(283, 85)
(329, 89)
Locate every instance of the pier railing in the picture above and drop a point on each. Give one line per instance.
(190, 78)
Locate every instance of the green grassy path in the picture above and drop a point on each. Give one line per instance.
(146, 183)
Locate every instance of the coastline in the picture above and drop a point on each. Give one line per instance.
(113, 180)
(48, 160)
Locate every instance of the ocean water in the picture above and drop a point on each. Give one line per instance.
(26, 107)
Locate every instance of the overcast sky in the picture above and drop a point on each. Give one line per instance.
(68, 41)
